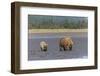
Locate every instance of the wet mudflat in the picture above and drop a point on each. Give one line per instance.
(79, 50)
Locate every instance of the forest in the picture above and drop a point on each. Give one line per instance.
(57, 22)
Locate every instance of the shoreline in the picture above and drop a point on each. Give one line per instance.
(56, 30)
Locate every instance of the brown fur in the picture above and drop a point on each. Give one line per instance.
(66, 43)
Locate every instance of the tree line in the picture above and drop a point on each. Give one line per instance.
(52, 23)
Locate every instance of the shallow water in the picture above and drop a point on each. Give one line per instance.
(79, 49)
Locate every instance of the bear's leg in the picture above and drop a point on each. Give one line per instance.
(45, 49)
(60, 48)
(70, 47)
(64, 48)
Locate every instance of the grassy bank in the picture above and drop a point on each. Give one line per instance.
(55, 30)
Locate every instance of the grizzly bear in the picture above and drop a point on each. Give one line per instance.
(65, 43)
(43, 46)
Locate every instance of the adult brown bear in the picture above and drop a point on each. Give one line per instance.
(65, 43)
